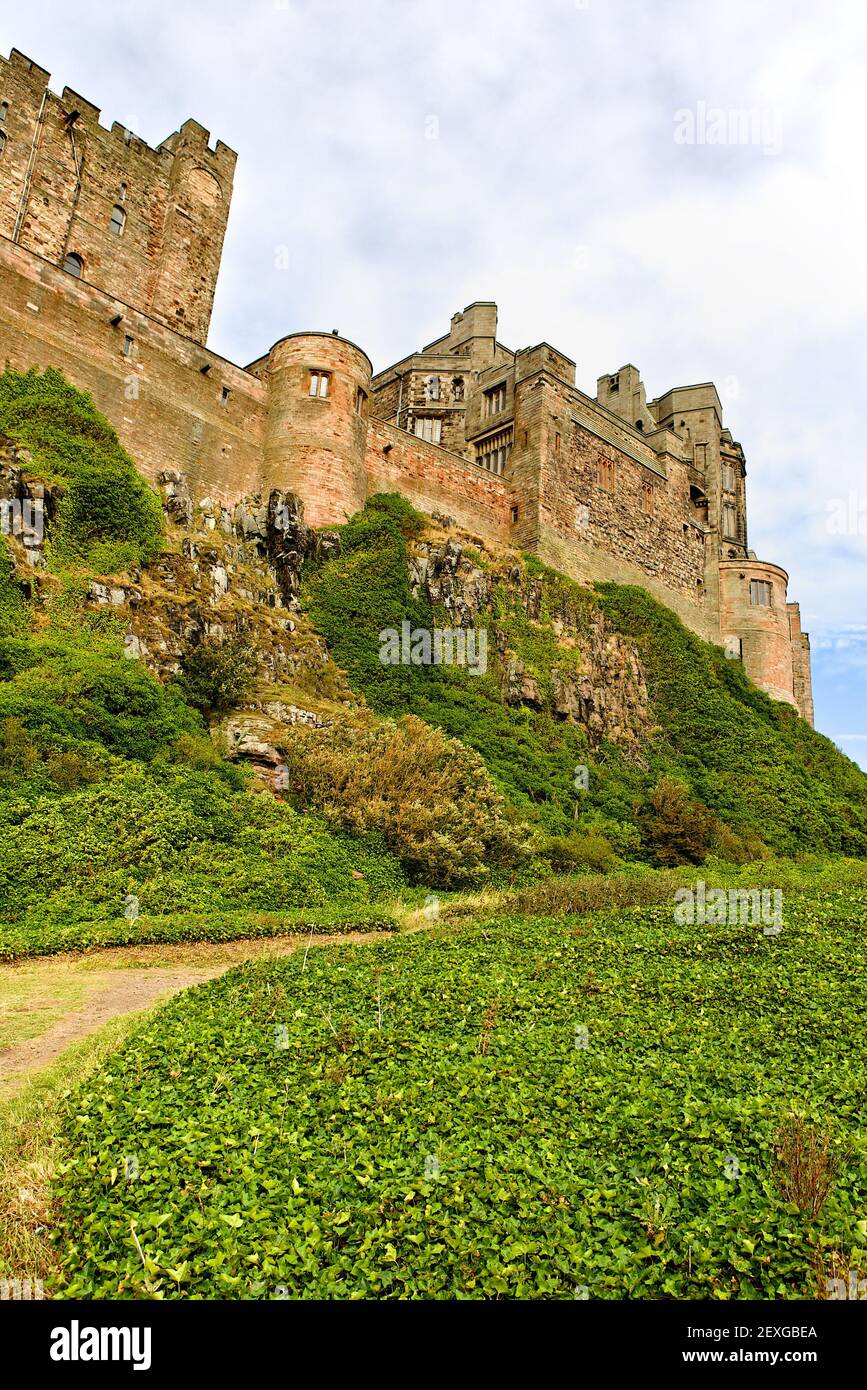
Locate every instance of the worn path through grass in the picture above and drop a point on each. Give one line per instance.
(49, 1003)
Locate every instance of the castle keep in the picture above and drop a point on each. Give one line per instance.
(109, 256)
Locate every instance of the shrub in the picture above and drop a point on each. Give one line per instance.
(181, 842)
(70, 697)
(13, 605)
(217, 674)
(108, 516)
(585, 849)
(428, 795)
(677, 828)
(804, 1164)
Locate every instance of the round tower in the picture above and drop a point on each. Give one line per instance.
(755, 623)
(318, 389)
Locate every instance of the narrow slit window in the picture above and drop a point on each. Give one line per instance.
(4, 140)
(128, 345)
(118, 220)
(605, 474)
(495, 399)
(4, 110)
(224, 395)
(647, 498)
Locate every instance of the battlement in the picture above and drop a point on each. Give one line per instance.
(106, 206)
(109, 255)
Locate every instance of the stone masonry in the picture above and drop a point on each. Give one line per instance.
(109, 256)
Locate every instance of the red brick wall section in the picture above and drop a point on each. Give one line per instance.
(436, 481)
(167, 413)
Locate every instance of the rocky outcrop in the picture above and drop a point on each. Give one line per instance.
(237, 572)
(600, 684)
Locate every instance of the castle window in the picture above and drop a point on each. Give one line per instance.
(514, 515)
(728, 477)
(432, 388)
(761, 593)
(495, 399)
(605, 474)
(319, 384)
(458, 388)
(118, 220)
(224, 395)
(361, 402)
(429, 428)
(4, 108)
(556, 443)
(493, 453)
(128, 344)
(3, 142)
(73, 265)
(647, 498)
(730, 521)
(639, 424)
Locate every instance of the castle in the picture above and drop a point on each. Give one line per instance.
(109, 256)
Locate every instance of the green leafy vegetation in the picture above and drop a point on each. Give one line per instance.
(516, 1108)
(217, 674)
(429, 796)
(108, 518)
(726, 770)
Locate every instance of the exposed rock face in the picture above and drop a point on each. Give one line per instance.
(601, 684)
(27, 507)
(238, 572)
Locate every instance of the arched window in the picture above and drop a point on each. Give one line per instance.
(118, 220)
(73, 265)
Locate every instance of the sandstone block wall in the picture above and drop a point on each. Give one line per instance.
(435, 480)
(168, 414)
(63, 174)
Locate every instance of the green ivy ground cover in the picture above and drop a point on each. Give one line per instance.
(423, 1119)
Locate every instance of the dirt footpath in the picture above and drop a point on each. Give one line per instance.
(122, 980)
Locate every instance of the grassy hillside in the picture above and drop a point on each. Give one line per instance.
(766, 778)
(113, 788)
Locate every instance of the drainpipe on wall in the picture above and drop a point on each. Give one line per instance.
(31, 164)
(400, 399)
(76, 194)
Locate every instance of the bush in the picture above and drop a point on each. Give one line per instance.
(677, 828)
(73, 697)
(217, 674)
(585, 849)
(13, 605)
(180, 842)
(428, 795)
(108, 517)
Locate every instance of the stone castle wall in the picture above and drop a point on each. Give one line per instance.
(614, 488)
(63, 174)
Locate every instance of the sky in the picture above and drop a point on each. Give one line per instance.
(677, 185)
